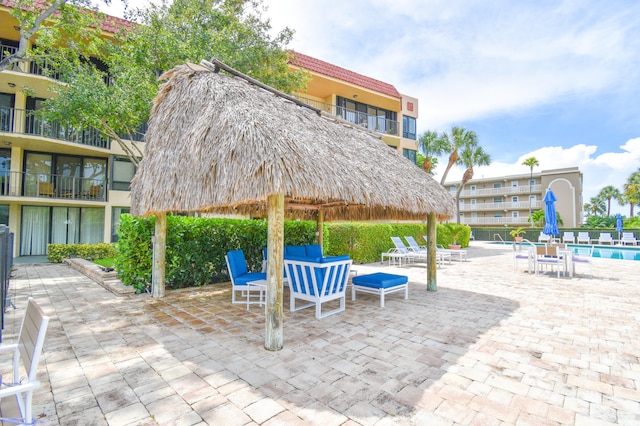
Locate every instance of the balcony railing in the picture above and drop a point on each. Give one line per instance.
(41, 185)
(376, 123)
(522, 220)
(520, 205)
(508, 190)
(27, 122)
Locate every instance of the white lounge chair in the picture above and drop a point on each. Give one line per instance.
(544, 238)
(628, 238)
(605, 238)
(17, 390)
(583, 237)
(400, 252)
(568, 237)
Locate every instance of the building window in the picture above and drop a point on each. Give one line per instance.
(371, 117)
(497, 185)
(410, 154)
(408, 127)
(497, 200)
(474, 214)
(472, 188)
(452, 189)
(115, 221)
(497, 214)
(532, 197)
(532, 182)
(7, 102)
(515, 214)
(122, 174)
(514, 199)
(514, 183)
(4, 215)
(473, 201)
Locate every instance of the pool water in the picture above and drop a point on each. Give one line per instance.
(605, 252)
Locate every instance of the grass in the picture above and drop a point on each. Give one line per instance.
(107, 262)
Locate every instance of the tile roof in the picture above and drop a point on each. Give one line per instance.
(110, 23)
(330, 70)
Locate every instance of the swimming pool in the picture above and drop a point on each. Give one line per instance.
(605, 252)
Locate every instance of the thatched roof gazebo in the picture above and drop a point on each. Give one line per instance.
(228, 144)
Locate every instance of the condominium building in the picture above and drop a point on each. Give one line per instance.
(58, 184)
(362, 100)
(507, 200)
(65, 185)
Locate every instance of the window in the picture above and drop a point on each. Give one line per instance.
(497, 185)
(408, 127)
(410, 154)
(473, 201)
(515, 214)
(532, 182)
(474, 214)
(7, 102)
(514, 183)
(514, 199)
(497, 214)
(4, 215)
(497, 200)
(532, 197)
(369, 116)
(122, 173)
(452, 189)
(115, 221)
(472, 188)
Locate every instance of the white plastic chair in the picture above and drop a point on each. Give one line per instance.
(17, 398)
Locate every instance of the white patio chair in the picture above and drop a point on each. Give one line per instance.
(605, 238)
(628, 238)
(17, 396)
(568, 237)
(583, 237)
(582, 256)
(548, 257)
(544, 238)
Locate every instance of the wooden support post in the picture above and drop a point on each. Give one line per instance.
(274, 336)
(432, 281)
(159, 255)
(319, 226)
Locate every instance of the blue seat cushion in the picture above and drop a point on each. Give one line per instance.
(295, 251)
(250, 276)
(380, 280)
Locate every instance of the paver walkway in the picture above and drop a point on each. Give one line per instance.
(490, 347)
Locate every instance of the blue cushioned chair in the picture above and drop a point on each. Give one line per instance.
(241, 279)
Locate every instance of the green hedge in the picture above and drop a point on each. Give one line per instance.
(57, 252)
(196, 246)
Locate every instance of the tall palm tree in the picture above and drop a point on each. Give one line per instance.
(457, 140)
(470, 156)
(631, 191)
(607, 193)
(530, 162)
(595, 207)
(432, 145)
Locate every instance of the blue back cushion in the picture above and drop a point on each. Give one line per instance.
(237, 263)
(295, 251)
(313, 250)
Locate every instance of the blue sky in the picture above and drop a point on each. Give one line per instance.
(558, 80)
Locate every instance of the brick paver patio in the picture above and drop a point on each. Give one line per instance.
(490, 347)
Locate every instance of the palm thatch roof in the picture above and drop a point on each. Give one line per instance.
(218, 143)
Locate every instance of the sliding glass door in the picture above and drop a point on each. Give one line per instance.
(35, 231)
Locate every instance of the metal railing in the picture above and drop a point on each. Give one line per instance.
(494, 220)
(27, 122)
(520, 205)
(41, 185)
(376, 123)
(503, 190)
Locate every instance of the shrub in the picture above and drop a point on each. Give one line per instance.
(58, 252)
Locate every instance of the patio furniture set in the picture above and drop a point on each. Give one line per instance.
(553, 256)
(569, 237)
(312, 278)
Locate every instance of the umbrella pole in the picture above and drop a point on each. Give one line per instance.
(273, 338)
(432, 282)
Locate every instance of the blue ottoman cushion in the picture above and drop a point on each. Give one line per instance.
(379, 280)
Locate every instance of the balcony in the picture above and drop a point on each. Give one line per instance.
(375, 123)
(479, 221)
(504, 190)
(26, 122)
(40, 185)
(520, 205)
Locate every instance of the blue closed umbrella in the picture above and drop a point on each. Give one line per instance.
(619, 224)
(550, 219)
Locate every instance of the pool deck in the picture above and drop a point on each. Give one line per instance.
(492, 346)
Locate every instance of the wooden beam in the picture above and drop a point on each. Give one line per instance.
(319, 226)
(159, 255)
(432, 281)
(274, 334)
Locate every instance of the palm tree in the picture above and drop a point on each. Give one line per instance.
(432, 145)
(458, 139)
(607, 193)
(530, 162)
(595, 207)
(470, 156)
(631, 191)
